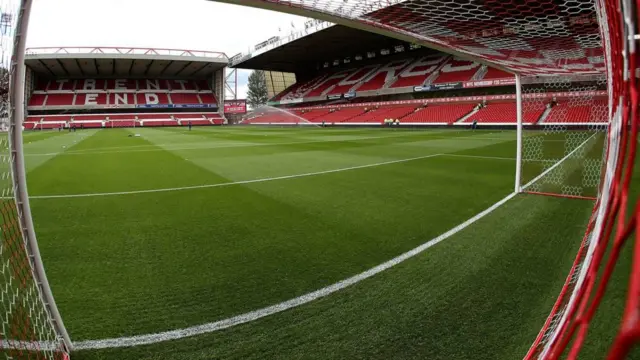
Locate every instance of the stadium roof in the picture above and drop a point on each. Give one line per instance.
(79, 62)
(305, 52)
(543, 37)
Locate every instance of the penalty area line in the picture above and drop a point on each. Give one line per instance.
(285, 305)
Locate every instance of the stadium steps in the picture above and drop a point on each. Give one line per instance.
(464, 118)
(436, 73)
(481, 73)
(544, 115)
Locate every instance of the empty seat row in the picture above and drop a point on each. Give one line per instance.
(439, 113)
(120, 99)
(506, 112)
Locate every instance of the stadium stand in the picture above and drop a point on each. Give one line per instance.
(82, 95)
(402, 73)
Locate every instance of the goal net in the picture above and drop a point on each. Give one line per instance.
(30, 326)
(565, 121)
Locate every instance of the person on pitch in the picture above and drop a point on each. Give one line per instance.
(474, 124)
(189, 123)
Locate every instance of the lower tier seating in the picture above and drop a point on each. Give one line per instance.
(506, 112)
(595, 111)
(569, 109)
(439, 113)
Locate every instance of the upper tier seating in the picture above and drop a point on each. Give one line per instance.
(352, 80)
(496, 74)
(121, 93)
(457, 70)
(384, 74)
(417, 72)
(401, 73)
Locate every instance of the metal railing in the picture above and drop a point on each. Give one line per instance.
(124, 51)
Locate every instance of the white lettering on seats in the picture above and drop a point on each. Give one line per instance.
(120, 84)
(390, 69)
(358, 75)
(61, 83)
(91, 99)
(151, 99)
(120, 99)
(89, 84)
(153, 84)
(461, 65)
(339, 75)
(423, 66)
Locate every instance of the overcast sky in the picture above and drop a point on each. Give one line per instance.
(175, 24)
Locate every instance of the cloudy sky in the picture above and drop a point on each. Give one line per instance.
(175, 24)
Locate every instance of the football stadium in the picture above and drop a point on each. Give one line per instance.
(432, 179)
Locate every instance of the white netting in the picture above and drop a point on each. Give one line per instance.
(562, 154)
(27, 329)
(527, 37)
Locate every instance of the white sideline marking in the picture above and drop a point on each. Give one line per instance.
(285, 305)
(234, 182)
(557, 164)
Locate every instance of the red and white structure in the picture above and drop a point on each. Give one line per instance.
(542, 43)
(123, 87)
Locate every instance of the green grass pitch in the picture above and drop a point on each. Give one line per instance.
(247, 217)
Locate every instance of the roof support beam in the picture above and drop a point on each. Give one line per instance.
(46, 67)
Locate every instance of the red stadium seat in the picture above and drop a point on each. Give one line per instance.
(418, 72)
(352, 80)
(37, 100)
(328, 83)
(456, 70)
(208, 98)
(594, 111)
(384, 74)
(496, 74)
(506, 112)
(185, 98)
(60, 99)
